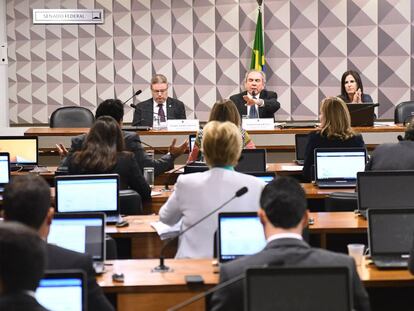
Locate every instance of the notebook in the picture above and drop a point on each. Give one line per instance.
(4, 170)
(252, 160)
(81, 232)
(89, 193)
(390, 236)
(267, 177)
(233, 240)
(298, 288)
(62, 290)
(338, 167)
(23, 151)
(301, 140)
(385, 189)
(362, 114)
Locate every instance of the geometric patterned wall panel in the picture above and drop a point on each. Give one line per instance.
(204, 49)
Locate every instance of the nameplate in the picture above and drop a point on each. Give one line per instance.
(258, 124)
(183, 125)
(68, 16)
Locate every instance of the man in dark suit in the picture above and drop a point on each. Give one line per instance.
(27, 200)
(160, 106)
(283, 215)
(398, 156)
(256, 102)
(22, 263)
(115, 109)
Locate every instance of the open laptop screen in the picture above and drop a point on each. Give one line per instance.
(234, 240)
(390, 231)
(335, 163)
(4, 169)
(83, 233)
(298, 288)
(267, 177)
(62, 291)
(87, 193)
(22, 149)
(192, 139)
(385, 189)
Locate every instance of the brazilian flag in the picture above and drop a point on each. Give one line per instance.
(258, 59)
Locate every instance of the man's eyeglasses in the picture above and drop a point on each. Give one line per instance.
(159, 91)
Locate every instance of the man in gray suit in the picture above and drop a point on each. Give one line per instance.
(283, 215)
(160, 105)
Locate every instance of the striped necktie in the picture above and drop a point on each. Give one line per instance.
(253, 112)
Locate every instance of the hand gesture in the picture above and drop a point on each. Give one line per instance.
(63, 152)
(249, 101)
(357, 97)
(178, 150)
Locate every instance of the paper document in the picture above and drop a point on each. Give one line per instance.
(166, 231)
(292, 168)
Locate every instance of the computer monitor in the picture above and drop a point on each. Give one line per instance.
(252, 160)
(23, 150)
(63, 290)
(4, 170)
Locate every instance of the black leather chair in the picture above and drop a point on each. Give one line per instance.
(341, 202)
(111, 248)
(72, 116)
(403, 112)
(130, 202)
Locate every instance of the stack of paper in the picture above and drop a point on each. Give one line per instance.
(165, 231)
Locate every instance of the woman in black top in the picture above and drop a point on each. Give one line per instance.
(352, 90)
(335, 132)
(102, 152)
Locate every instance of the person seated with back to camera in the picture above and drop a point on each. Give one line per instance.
(394, 156)
(103, 153)
(352, 90)
(335, 132)
(223, 110)
(197, 194)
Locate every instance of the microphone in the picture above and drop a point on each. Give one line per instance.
(162, 267)
(170, 177)
(135, 94)
(400, 138)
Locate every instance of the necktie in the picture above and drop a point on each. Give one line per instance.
(253, 111)
(161, 114)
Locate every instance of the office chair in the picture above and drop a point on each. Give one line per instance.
(130, 202)
(111, 248)
(403, 112)
(72, 116)
(341, 202)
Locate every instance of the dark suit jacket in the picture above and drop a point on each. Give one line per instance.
(271, 105)
(285, 252)
(20, 302)
(144, 112)
(133, 144)
(398, 156)
(127, 169)
(60, 258)
(318, 141)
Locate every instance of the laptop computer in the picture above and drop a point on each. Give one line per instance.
(390, 236)
(4, 170)
(362, 114)
(385, 189)
(267, 177)
(298, 288)
(23, 151)
(301, 140)
(89, 193)
(191, 140)
(252, 160)
(305, 124)
(338, 167)
(61, 290)
(81, 232)
(233, 240)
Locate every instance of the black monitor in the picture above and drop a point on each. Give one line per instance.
(298, 288)
(252, 160)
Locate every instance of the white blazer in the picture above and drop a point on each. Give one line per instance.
(196, 195)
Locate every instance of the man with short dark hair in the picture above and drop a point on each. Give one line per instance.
(22, 264)
(26, 199)
(160, 105)
(115, 109)
(283, 215)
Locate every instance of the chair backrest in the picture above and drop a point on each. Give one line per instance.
(72, 116)
(341, 202)
(403, 111)
(130, 202)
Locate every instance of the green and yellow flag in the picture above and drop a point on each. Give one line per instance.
(258, 58)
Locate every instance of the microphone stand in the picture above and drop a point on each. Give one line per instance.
(170, 176)
(162, 267)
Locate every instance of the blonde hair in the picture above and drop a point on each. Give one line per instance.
(337, 123)
(225, 110)
(222, 143)
(158, 79)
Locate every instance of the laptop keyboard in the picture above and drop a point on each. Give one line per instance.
(391, 262)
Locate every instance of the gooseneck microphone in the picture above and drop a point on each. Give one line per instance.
(135, 94)
(162, 267)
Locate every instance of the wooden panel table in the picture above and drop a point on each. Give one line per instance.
(146, 290)
(145, 242)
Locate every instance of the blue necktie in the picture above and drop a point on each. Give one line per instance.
(161, 114)
(253, 111)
